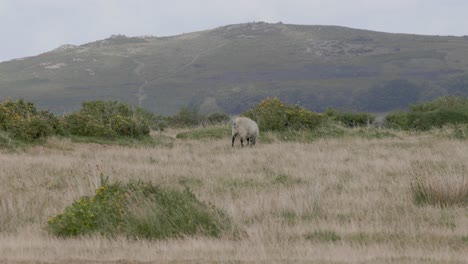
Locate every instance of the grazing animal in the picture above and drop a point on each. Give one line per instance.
(245, 128)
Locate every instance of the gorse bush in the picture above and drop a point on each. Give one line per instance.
(350, 119)
(22, 120)
(108, 119)
(141, 210)
(272, 114)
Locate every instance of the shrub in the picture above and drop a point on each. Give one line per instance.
(186, 117)
(435, 114)
(218, 118)
(139, 210)
(446, 102)
(436, 118)
(272, 114)
(351, 119)
(108, 119)
(155, 121)
(24, 122)
(397, 120)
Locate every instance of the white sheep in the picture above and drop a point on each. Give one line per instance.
(245, 128)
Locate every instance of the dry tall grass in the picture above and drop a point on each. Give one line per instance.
(332, 201)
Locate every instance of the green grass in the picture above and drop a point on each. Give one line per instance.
(327, 130)
(323, 236)
(212, 132)
(149, 141)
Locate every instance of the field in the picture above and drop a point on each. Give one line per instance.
(333, 200)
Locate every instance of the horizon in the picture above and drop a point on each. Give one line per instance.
(38, 26)
(212, 28)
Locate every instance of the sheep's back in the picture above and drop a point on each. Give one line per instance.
(244, 126)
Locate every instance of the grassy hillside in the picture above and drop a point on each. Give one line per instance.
(231, 68)
(338, 200)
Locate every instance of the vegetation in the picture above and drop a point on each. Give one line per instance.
(287, 199)
(350, 119)
(211, 132)
(323, 236)
(22, 121)
(341, 67)
(439, 193)
(186, 117)
(190, 117)
(107, 119)
(273, 115)
(436, 114)
(139, 210)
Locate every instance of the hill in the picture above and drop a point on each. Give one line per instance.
(231, 68)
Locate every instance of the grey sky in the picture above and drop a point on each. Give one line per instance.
(30, 27)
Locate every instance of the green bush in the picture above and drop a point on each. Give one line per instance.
(218, 118)
(141, 210)
(446, 102)
(155, 121)
(272, 114)
(435, 114)
(397, 120)
(186, 117)
(108, 119)
(22, 120)
(350, 119)
(436, 118)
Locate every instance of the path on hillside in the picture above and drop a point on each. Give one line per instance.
(141, 94)
(195, 58)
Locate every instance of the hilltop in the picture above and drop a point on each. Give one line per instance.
(233, 67)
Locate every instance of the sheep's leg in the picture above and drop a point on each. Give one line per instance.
(242, 142)
(233, 139)
(248, 140)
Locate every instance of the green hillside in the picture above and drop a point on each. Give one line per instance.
(232, 68)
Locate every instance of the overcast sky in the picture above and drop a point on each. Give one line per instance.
(30, 27)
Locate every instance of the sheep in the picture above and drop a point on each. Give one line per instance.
(245, 128)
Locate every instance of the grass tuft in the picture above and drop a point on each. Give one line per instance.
(323, 236)
(439, 194)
